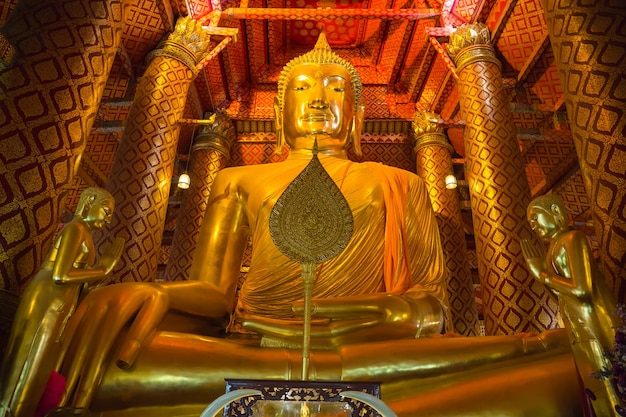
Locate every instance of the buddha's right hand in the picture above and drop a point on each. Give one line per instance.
(111, 255)
(354, 319)
(93, 330)
(535, 259)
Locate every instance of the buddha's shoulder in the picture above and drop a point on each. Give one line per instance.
(249, 171)
(389, 171)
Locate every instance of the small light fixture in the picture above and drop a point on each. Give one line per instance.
(451, 182)
(184, 181)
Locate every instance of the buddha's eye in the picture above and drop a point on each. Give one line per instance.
(299, 88)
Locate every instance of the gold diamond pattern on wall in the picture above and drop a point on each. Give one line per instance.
(45, 119)
(142, 171)
(524, 30)
(513, 300)
(572, 192)
(589, 44)
(547, 161)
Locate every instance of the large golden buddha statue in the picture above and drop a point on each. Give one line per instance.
(164, 349)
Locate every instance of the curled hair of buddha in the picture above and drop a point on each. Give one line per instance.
(89, 196)
(320, 54)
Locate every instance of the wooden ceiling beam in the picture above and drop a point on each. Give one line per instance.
(318, 14)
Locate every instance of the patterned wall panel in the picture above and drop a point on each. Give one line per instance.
(547, 161)
(144, 30)
(574, 195)
(399, 155)
(101, 149)
(396, 41)
(450, 107)
(255, 148)
(119, 81)
(44, 119)
(498, 11)
(445, 90)
(375, 100)
(234, 60)
(257, 45)
(431, 87)
(544, 81)
(389, 149)
(417, 60)
(525, 28)
(210, 85)
(465, 9)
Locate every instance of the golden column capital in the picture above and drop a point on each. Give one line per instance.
(219, 135)
(189, 43)
(471, 43)
(427, 132)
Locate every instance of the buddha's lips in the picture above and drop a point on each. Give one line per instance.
(317, 117)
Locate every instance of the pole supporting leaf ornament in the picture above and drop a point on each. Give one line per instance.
(311, 223)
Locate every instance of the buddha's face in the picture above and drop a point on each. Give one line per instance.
(100, 213)
(542, 222)
(318, 102)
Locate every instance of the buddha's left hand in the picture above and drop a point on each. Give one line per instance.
(355, 319)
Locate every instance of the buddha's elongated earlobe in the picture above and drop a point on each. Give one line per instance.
(559, 218)
(357, 127)
(278, 127)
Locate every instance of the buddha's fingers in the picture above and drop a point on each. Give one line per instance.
(529, 250)
(293, 331)
(366, 306)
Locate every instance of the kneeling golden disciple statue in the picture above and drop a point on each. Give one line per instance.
(373, 302)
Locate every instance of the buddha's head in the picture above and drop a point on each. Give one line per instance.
(95, 206)
(319, 96)
(546, 215)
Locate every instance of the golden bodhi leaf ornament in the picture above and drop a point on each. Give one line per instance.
(311, 222)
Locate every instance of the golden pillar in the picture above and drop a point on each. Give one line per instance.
(434, 163)
(56, 57)
(142, 171)
(209, 154)
(513, 300)
(589, 44)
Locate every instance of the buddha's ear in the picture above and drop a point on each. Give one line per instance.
(558, 216)
(357, 127)
(89, 202)
(278, 127)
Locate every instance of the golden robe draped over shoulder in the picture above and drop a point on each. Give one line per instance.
(395, 246)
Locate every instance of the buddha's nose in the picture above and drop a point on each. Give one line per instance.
(317, 99)
(319, 103)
